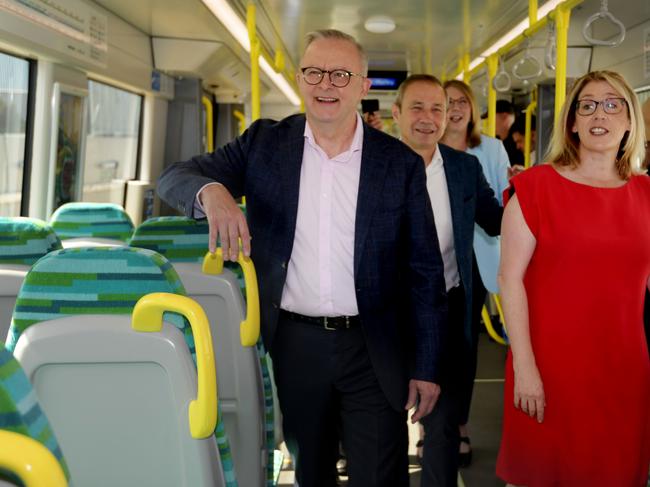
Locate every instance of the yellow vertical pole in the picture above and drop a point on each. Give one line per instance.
(241, 119)
(492, 62)
(532, 12)
(529, 122)
(255, 62)
(209, 120)
(562, 17)
(466, 76)
(467, 40)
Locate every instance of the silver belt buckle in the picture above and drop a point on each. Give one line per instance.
(325, 325)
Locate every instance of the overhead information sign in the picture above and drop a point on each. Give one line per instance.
(69, 26)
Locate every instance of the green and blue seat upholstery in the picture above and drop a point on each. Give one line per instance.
(184, 241)
(22, 242)
(20, 411)
(102, 281)
(92, 220)
(25, 240)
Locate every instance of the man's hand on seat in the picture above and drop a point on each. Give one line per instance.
(226, 220)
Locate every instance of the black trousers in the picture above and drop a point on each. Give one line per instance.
(468, 364)
(441, 437)
(328, 392)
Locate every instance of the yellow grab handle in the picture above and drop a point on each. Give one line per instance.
(30, 460)
(249, 329)
(148, 316)
(490, 329)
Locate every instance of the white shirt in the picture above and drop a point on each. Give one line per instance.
(439, 196)
(320, 273)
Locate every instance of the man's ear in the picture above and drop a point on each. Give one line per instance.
(395, 112)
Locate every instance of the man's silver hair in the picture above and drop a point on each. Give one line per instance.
(337, 34)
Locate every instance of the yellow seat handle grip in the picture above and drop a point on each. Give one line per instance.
(148, 317)
(249, 329)
(30, 460)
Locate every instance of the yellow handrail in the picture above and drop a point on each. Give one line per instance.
(497, 301)
(209, 120)
(148, 317)
(490, 329)
(527, 136)
(249, 329)
(31, 461)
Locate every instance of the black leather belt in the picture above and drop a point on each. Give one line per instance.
(331, 323)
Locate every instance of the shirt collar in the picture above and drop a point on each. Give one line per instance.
(436, 159)
(355, 145)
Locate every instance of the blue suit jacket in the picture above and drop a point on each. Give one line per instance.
(398, 269)
(472, 201)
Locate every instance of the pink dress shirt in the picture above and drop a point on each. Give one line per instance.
(320, 273)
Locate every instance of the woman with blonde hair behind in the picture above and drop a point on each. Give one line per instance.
(575, 264)
(462, 133)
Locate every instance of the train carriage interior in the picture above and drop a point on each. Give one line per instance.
(99, 97)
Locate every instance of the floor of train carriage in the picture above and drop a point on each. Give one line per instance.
(484, 423)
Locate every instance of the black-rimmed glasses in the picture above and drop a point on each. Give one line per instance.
(612, 106)
(461, 102)
(338, 77)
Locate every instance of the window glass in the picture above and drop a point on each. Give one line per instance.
(14, 86)
(111, 142)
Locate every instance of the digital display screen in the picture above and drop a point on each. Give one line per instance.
(386, 80)
(384, 83)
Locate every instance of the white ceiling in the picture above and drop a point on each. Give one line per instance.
(428, 37)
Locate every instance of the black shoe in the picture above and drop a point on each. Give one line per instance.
(465, 459)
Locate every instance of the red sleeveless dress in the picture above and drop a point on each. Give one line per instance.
(585, 285)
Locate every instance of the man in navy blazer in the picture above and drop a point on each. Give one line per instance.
(460, 197)
(352, 295)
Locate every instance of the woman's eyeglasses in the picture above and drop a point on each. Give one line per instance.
(611, 106)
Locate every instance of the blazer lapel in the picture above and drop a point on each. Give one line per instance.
(371, 182)
(454, 177)
(289, 157)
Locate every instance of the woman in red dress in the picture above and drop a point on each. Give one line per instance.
(575, 263)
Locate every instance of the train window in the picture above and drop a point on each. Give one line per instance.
(14, 88)
(111, 142)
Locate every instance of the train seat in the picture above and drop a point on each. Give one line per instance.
(106, 222)
(118, 400)
(21, 414)
(245, 390)
(22, 242)
(97, 281)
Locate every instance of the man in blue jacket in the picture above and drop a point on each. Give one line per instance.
(351, 283)
(460, 197)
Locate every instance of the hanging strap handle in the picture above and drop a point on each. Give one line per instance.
(605, 15)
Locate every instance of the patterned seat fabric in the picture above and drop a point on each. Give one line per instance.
(101, 220)
(20, 411)
(25, 240)
(183, 239)
(103, 280)
(178, 238)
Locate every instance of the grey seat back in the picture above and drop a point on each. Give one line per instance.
(118, 401)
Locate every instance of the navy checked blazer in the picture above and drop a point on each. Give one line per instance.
(472, 201)
(398, 269)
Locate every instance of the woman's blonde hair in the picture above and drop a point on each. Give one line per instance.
(565, 143)
(473, 131)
